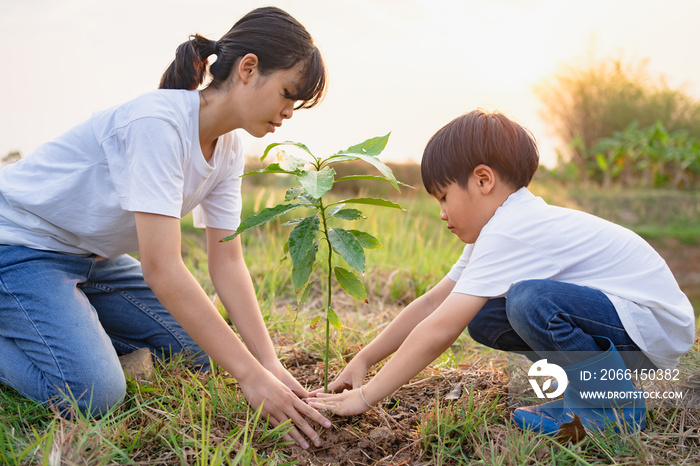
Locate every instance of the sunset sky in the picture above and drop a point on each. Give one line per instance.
(405, 66)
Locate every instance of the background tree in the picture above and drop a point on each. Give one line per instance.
(602, 100)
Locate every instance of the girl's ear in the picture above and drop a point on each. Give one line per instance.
(247, 67)
(485, 178)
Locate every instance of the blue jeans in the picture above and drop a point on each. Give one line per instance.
(554, 320)
(64, 320)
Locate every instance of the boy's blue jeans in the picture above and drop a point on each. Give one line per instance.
(555, 320)
(65, 319)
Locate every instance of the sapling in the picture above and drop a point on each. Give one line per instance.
(313, 235)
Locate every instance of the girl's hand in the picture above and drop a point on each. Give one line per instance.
(280, 404)
(347, 403)
(283, 375)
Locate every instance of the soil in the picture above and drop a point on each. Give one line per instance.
(389, 434)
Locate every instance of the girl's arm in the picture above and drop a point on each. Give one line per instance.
(166, 274)
(428, 340)
(234, 287)
(392, 337)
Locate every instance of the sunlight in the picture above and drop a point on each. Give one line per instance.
(511, 53)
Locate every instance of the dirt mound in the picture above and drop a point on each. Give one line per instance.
(389, 434)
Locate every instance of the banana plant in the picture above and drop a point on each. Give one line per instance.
(313, 240)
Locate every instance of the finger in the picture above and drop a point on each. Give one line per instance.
(322, 405)
(306, 428)
(301, 392)
(338, 385)
(312, 414)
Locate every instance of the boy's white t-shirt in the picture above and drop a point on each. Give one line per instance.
(529, 239)
(78, 193)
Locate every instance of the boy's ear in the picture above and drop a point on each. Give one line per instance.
(485, 178)
(247, 67)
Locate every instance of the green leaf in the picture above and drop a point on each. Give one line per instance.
(371, 147)
(285, 143)
(366, 240)
(368, 151)
(317, 183)
(301, 241)
(370, 201)
(293, 193)
(262, 218)
(303, 295)
(294, 221)
(301, 271)
(348, 214)
(345, 244)
(272, 168)
(289, 162)
(369, 177)
(351, 283)
(333, 319)
(314, 322)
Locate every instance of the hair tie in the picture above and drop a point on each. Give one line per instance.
(216, 47)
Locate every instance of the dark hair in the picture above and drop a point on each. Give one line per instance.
(475, 138)
(276, 38)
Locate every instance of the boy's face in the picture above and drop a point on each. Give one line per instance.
(465, 209)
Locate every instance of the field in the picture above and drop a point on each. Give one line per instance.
(176, 417)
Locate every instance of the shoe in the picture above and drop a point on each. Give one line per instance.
(598, 404)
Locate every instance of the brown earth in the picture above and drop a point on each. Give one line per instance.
(390, 433)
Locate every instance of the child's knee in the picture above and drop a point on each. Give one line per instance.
(523, 301)
(92, 396)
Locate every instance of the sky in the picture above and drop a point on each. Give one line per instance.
(402, 66)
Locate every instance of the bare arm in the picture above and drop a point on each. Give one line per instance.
(176, 288)
(393, 336)
(430, 338)
(234, 287)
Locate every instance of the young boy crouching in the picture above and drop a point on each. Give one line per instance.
(566, 286)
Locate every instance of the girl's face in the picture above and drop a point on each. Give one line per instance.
(265, 99)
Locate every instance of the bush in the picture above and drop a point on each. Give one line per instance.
(587, 106)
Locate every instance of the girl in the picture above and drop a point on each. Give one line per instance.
(71, 300)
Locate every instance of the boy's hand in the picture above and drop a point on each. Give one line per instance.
(352, 377)
(347, 403)
(279, 404)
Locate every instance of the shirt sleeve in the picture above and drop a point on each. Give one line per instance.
(222, 206)
(456, 270)
(498, 262)
(146, 160)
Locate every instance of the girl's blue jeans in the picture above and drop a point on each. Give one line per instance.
(64, 320)
(554, 320)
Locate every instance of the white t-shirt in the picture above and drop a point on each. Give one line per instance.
(77, 194)
(528, 239)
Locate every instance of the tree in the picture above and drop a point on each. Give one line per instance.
(587, 104)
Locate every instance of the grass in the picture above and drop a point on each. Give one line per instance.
(181, 417)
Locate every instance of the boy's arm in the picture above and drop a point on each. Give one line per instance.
(392, 337)
(423, 345)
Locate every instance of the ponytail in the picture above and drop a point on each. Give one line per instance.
(276, 38)
(189, 68)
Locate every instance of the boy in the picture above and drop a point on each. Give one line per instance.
(568, 286)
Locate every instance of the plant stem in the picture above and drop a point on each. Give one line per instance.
(322, 211)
